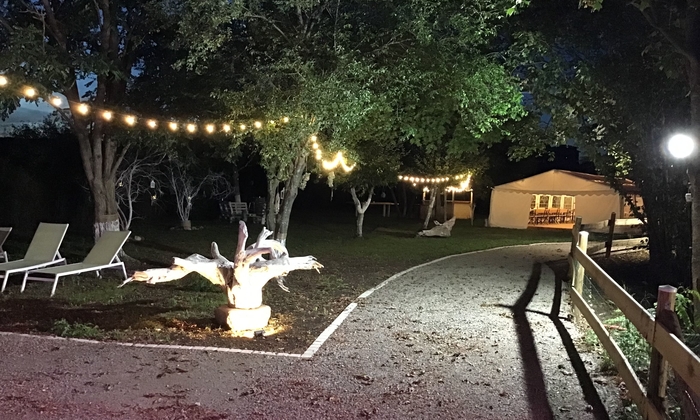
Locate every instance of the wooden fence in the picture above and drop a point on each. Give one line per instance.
(662, 333)
(630, 227)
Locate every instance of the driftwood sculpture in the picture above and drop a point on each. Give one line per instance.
(443, 230)
(242, 279)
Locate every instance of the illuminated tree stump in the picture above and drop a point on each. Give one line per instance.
(242, 280)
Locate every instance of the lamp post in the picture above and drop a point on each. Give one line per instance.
(682, 147)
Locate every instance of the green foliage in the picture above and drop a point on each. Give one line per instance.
(633, 345)
(63, 328)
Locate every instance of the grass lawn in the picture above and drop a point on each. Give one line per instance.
(181, 312)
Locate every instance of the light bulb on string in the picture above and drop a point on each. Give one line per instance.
(56, 101)
(172, 126)
(152, 124)
(107, 115)
(3, 81)
(29, 92)
(285, 119)
(242, 127)
(191, 128)
(130, 120)
(83, 109)
(257, 124)
(314, 138)
(210, 128)
(226, 128)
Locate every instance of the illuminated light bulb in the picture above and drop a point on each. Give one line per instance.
(83, 109)
(172, 126)
(318, 155)
(152, 124)
(314, 146)
(285, 119)
(242, 127)
(191, 128)
(400, 177)
(29, 92)
(414, 184)
(210, 128)
(314, 138)
(257, 124)
(4, 82)
(56, 101)
(226, 128)
(130, 120)
(681, 146)
(106, 115)
(272, 122)
(412, 179)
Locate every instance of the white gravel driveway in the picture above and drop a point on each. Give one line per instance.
(450, 340)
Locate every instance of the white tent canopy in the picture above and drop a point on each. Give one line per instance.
(594, 198)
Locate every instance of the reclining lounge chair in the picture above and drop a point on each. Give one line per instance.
(103, 255)
(42, 252)
(4, 233)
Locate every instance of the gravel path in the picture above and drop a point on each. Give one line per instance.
(448, 340)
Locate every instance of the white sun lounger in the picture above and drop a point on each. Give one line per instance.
(4, 233)
(42, 252)
(103, 255)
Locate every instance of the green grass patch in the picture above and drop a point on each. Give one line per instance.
(182, 311)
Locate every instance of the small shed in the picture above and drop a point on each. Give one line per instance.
(557, 197)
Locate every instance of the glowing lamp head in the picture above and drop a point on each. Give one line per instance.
(314, 138)
(83, 109)
(400, 177)
(29, 92)
(191, 128)
(152, 124)
(285, 119)
(681, 146)
(210, 128)
(130, 120)
(56, 101)
(172, 126)
(242, 127)
(3, 81)
(257, 124)
(226, 128)
(107, 116)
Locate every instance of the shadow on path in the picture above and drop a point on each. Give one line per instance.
(536, 389)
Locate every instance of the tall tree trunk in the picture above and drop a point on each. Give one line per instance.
(361, 208)
(291, 189)
(693, 45)
(433, 194)
(270, 213)
(404, 200)
(236, 186)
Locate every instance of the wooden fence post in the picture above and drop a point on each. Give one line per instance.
(658, 368)
(574, 241)
(611, 232)
(579, 272)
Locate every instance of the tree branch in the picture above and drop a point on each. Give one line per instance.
(669, 37)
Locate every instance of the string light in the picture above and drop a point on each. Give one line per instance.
(106, 115)
(257, 124)
(314, 138)
(130, 120)
(29, 92)
(56, 101)
(152, 124)
(242, 127)
(172, 126)
(191, 128)
(338, 161)
(210, 128)
(83, 109)
(4, 82)
(226, 128)
(284, 120)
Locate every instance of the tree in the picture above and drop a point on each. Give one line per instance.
(325, 65)
(136, 177)
(61, 47)
(675, 38)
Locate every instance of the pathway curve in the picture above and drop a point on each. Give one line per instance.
(469, 337)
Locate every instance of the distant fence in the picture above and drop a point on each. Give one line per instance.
(661, 332)
(632, 228)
